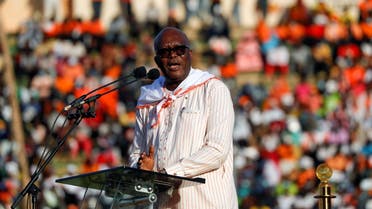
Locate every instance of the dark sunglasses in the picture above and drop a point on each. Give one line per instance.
(166, 52)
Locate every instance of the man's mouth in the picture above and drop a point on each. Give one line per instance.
(173, 66)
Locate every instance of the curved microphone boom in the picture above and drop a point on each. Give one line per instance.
(137, 73)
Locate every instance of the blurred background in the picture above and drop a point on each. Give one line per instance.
(299, 72)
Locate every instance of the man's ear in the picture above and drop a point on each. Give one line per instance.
(157, 61)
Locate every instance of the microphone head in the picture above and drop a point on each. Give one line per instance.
(139, 72)
(153, 74)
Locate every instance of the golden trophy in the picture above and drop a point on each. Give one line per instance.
(324, 173)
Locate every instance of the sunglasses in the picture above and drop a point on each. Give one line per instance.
(166, 52)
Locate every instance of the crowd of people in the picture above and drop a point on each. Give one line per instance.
(310, 104)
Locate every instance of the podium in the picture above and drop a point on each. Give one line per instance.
(130, 186)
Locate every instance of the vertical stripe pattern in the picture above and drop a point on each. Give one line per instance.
(193, 139)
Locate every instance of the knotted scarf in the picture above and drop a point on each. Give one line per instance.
(155, 93)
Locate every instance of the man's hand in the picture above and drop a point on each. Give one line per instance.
(146, 161)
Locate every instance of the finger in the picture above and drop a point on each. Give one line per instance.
(143, 154)
(151, 151)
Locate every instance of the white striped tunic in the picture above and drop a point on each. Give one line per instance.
(193, 139)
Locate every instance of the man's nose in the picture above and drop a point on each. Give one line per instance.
(172, 53)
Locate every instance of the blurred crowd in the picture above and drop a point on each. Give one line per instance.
(311, 101)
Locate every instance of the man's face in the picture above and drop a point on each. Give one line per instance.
(173, 56)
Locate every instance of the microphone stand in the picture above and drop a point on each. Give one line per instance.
(89, 113)
(79, 114)
(31, 188)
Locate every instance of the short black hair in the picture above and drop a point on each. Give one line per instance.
(160, 35)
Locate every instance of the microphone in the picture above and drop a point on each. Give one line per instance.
(137, 73)
(153, 74)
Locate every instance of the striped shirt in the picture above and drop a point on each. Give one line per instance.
(193, 139)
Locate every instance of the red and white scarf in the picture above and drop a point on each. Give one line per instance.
(155, 93)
